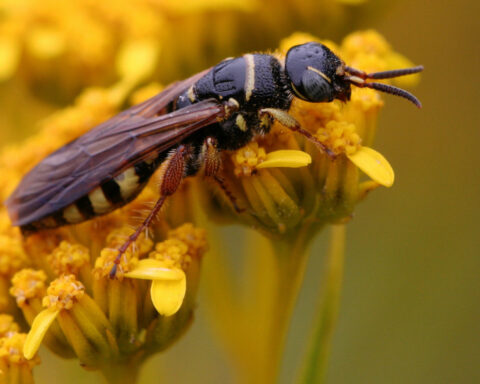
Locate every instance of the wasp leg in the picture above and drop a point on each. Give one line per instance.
(174, 171)
(288, 121)
(213, 165)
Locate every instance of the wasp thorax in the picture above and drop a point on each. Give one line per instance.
(312, 69)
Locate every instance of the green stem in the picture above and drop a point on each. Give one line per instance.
(291, 255)
(126, 373)
(327, 311)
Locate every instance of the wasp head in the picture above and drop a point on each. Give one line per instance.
(317, 75)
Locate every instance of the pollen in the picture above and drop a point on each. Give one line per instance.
(11, 351)
(247, 158)
(106, 261)
(340, 137)
(117, 238)
(311, 115)
(63, 293)
(68, 258)
(194, 238)
(7, 325)
(28, 284)
(173, 253)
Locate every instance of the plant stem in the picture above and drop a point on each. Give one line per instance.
(126, 373)
(291, 255)
(327, 311)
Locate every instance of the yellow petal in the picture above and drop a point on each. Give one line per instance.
(150, 269)
(286, 158)
(137, 59)
(167, 295)
(374, 165)
(39, 328)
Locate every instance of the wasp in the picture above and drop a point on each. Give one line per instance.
(183, 129)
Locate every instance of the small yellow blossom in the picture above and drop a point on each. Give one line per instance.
(247, 158)
(27, 285)
(81, 320)
(7, 325)
(14, 366)
(68, 258)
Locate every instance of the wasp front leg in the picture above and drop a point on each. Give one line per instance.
(213, 165)
(173, 172)
(289, 122)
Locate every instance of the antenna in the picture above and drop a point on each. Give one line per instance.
(359, 78)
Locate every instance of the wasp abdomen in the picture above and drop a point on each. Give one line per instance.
(108, 196)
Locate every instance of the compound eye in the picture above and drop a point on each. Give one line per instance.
(316, 88)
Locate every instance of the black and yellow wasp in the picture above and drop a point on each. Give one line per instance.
(184, 128)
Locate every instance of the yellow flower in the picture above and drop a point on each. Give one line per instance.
(7, 325)
(290, 206)
(109, 324)
(286, 188)
(105, 321)
(14, 367)
(280, 200)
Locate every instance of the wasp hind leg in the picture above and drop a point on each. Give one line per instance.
(212, 167)
(289, 122)
(174, 172)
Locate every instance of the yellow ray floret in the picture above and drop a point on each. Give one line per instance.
(286, 158)
(168, 295)
(374, 165)
(39, 328)
(251, 157)
(150, 269)
(168, 287)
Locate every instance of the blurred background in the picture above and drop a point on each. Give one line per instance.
(410, 309)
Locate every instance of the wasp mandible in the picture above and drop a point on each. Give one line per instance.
(184, 129)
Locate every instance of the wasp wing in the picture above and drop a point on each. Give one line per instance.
(102, 153)
(158, 104)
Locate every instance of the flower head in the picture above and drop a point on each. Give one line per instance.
(61, 281)
(279, 200)
(14, 366)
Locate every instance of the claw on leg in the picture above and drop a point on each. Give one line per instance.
(213, 165)
(289, 122)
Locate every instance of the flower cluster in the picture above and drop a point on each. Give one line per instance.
(59, 282)
(14, 366)
(73, 305)
(280, 200)
(74, 44)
